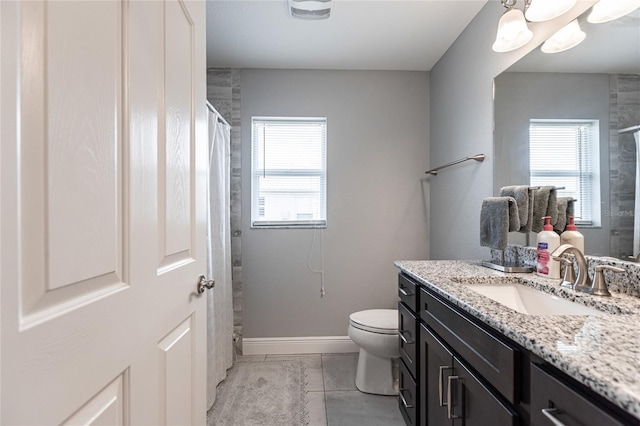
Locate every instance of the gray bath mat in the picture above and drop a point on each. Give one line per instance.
(267, 393)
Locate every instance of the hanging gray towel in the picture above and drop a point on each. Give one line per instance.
(527, 228)
(521, 194)
(571, 209)
(498, 216)
(561, 223)
(552, 206)
(540, 206)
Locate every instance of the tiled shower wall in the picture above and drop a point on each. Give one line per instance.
(223, 91)
(624, 111)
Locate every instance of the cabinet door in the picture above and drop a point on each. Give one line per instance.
(436, 365)
(471, 403)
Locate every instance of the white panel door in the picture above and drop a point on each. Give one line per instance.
(102, 189)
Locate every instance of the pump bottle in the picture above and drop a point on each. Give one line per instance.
(547, 242)
(572, 236)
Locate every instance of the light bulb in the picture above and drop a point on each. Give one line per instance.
(564, 39)
(513, 32)
(545, 10)
(608, 10)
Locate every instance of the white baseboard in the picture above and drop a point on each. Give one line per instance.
(298, 345)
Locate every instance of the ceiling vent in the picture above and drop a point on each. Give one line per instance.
(310, 9)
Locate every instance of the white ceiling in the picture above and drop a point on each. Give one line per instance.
(359, 35)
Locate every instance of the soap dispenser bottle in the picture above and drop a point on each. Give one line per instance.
(547, 242)
(572, 236)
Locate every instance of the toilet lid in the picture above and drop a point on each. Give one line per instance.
(376, 320)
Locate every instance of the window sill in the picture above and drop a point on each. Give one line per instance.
(285, 225)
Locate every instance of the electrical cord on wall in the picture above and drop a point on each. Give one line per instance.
(321, 271)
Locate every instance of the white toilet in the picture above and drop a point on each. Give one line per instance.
(375, 331)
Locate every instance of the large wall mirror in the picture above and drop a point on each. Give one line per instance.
(597, 82)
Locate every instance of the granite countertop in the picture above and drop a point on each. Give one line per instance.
(601, 351)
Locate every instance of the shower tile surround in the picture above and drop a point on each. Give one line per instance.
(223, 91)
(624, 112)
(602, 352)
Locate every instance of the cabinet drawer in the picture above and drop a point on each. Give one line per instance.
(408, 396)
(566, 405)
(408, 292)
(408, 337)
(497, 361)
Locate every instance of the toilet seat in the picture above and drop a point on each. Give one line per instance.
(381, 321)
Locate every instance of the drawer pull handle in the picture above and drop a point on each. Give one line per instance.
(441, 384)
(450, 398)
(550, 414)
(404, 401)
(404, 292)
(406, 341)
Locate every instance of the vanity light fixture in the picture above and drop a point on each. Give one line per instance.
(564, 39)
(310, 9)
(545, 10)
(608, 10)
(513, 31)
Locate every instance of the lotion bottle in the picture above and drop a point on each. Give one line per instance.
(572, 236)
(546, 243)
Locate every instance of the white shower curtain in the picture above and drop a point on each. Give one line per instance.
(220, 299)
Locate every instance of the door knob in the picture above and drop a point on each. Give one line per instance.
(204, 284)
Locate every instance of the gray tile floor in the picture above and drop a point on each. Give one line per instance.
(334, 399)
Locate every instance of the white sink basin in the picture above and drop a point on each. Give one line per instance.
(530, 301)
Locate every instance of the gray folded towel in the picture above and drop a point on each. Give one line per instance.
(540, 205)
(552, 205)
(521, 194)
(561, 223)
(498, 216)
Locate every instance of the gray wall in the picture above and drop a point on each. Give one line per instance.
(461, 98)
(377, 152)
(522, 96)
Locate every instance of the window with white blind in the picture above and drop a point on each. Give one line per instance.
(565, 154)
(289, 172)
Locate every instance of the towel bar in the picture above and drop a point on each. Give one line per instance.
(478, 157)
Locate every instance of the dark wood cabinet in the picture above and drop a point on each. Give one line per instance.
(408, 337)
(454, 395)
(436, 364)
(493, 357)
(407, 331)
(408, 292)
(463, 372)
(555, 399)
(408, 396)
(471, 402)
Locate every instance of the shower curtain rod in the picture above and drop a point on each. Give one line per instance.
(220, 117)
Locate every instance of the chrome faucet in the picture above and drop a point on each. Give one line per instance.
(582, 282)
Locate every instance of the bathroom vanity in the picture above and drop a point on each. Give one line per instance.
(473, 357)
